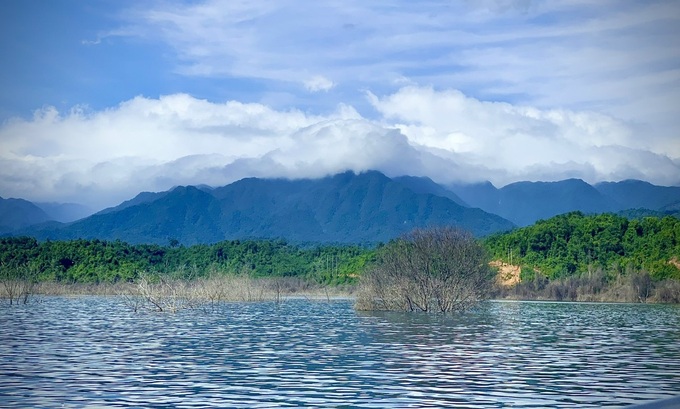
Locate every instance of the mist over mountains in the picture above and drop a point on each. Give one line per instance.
(367, 208)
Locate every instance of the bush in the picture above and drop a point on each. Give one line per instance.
(668, 291)
(438, 270)
(17, 283)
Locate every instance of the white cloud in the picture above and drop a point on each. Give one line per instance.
(124, 149)
(618, 59)
(497, 43)
(319, 83)
(514, 142)
(103, 157)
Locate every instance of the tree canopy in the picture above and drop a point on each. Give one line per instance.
(571, 243)
(112, 261)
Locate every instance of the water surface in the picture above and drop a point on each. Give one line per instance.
(92, 351)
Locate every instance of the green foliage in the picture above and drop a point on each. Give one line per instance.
(88, 261)
(569, 244)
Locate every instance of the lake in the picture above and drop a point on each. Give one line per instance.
(93, 351)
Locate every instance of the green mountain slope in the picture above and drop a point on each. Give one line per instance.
(427, 185)
(18, 213)
(368, 207)
(345, 208)
(636, 194)
(185, 214)
(65, 212)
(574, 243)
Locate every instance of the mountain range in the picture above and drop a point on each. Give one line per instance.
(524, 203)
(345, 208)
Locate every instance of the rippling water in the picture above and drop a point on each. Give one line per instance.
(86, 352)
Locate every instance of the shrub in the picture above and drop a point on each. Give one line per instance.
(438, 270)
(17, 283)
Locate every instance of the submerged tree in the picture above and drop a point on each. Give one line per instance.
(17, 283)
(439, 270)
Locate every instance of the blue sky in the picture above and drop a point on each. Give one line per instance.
(103, 99)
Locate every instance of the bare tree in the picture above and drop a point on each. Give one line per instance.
(440, 270)
(641, 283)
(17, 283)
(161, 293)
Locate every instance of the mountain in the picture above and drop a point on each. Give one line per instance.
(184, 213)
(482, 195)
(524, 203)
(146, 197)
(346, 208)
(65, 212)
(368, 207)
(428, 186)
(531, 201)
(671, 207)
(143, 197)
(19, 213)
(636, 194)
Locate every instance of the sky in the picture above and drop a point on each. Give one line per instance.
(103, 99)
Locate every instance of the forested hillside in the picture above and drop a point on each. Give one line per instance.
(574, 243)
(568, 257)
(93, 261)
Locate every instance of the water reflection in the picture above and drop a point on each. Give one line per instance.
(92, 352)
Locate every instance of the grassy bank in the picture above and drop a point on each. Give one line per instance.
(637, 287)
(165, 294)
(162, 293)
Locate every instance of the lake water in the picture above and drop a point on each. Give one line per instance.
(93, 352)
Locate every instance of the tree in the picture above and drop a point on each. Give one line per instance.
(641, 283)
(434, 270)
(17, 283)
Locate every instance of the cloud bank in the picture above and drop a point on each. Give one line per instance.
(103, 157)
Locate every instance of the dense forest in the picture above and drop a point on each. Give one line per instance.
(573, 244)
(564, 257)
(98, 261)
